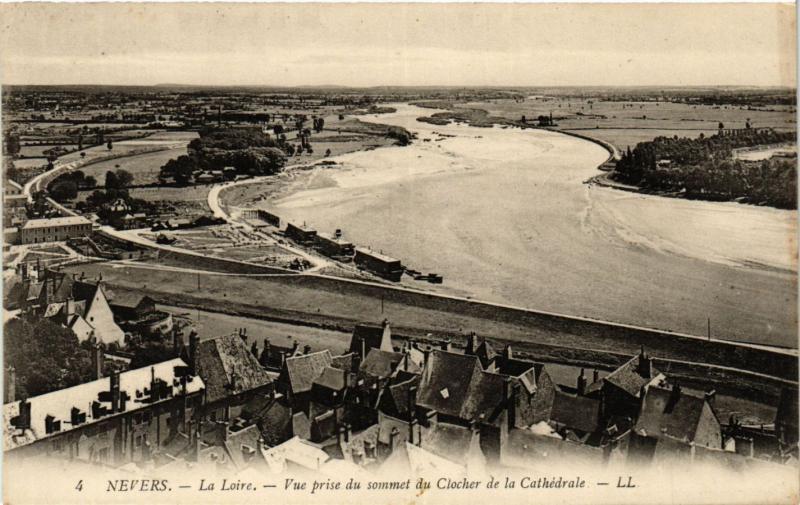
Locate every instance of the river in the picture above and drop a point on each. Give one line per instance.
(505, 216)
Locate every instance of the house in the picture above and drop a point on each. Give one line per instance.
(459, 390)
(674, 419)
(88, 300)
(370, 336)
(126, 417)
(273, 356)
(139, 314)
(622, 390)
(232, 375)
(297, 377)
(54, 229)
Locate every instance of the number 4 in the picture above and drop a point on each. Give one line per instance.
(79, 486)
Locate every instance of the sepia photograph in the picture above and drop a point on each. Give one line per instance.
(382, 253)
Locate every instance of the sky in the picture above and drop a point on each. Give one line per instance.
(399, 44)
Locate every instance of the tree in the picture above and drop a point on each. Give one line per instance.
(64, 190)
(124, 178)
(12, 145)
(45, 355)
(111, 180)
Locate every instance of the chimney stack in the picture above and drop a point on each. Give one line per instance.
(581, 384)
(114, 379)
(426, 355)
(394, 437)
(645, 365)
(264, 359)
(507, 352)
(595, 376)
(470, 343)
(306, 349)
(177, 341)
(97, 362)
(193, 341)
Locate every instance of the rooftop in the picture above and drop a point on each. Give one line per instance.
(59, 404)
(55, 221)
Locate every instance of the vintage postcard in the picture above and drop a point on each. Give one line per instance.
(399, 253)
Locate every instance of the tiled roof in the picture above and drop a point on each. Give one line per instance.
(221, 359)
(448, 441)
(373, 337)
(332, 378)
(343, 362)
(666, 413)
(576, 412)
(59, 403)
(629, 378)
(395, 396)
(303, 369)
(55, 221)
(455, 385)
(380, 364)
(238, 441)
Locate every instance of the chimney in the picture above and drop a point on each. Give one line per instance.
(295, 346)
(114, 380)
(177, 341)
(470, 344)
(645, 365)
(507, 352)
(69, 305)
(363, 348)
(581, 384)
(264, 359)
(445, 344)
(306, 349)
(254, 349)
(193, 341)
(394, 438)
(595, 376)
(283, 359)
(426, 353)
(97, 362)
(10, 386)
(23, 420)
(711, 397)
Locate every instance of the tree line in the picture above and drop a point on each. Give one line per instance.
(704, 168)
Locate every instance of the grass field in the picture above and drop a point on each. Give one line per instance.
(144, 168)
(632, 122)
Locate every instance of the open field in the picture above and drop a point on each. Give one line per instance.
(144, 168)
(632, 122)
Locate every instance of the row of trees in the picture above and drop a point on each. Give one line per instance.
(249, 151)
(65, 186)
(704, 168)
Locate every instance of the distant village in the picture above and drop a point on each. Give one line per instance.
(240, 402)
